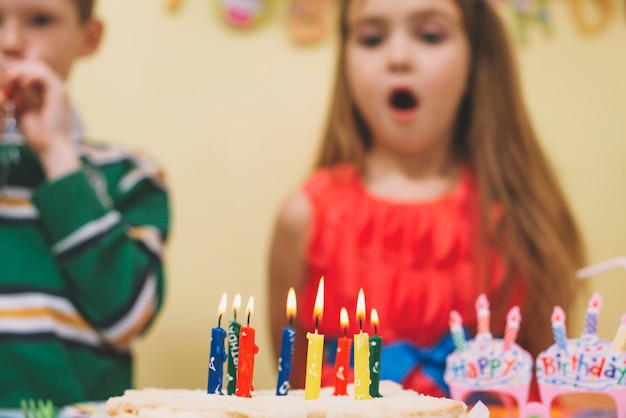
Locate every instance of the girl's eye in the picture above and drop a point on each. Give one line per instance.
(41, 20)
(431, 37)
(370, 41)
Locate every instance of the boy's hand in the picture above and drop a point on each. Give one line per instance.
(43, 114)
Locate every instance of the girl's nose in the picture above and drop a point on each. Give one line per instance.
(11, 39)
(399, 53)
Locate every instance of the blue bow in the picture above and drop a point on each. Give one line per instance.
(398, 359)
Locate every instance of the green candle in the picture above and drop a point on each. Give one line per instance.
(376, 343)
(234, 329)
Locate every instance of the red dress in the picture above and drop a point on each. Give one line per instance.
(414, 261)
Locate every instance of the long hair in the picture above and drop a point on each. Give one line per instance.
(85, 9)
(537, 235)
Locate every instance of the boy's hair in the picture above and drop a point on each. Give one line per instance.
(85, 9)
(537, 235)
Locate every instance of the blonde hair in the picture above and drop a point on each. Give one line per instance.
(537, 234)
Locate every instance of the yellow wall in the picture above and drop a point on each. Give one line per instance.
(234, 117)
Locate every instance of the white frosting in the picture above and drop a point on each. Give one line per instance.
(183, 403)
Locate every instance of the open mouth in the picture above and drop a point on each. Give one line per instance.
(403, 100)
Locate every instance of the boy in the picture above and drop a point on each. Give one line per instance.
(81, 226)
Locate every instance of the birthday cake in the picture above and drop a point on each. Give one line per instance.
(179, 403)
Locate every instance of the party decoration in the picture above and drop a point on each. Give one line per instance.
(376, 345)
(234, 329)
(243, 14)
(287, 346)
(457, 332)
(586, 364)
(342, 359)
(361, 354)
(315, 350)
(218, 352)
(247, 350)
(308, 20)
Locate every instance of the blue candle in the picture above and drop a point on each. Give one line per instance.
(286, 348)
(558, 328)
(218, 353)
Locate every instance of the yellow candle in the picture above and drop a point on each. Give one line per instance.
(361, 354)
(315, 350)
(620, 337)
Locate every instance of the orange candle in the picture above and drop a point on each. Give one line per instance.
(342, 362)
(315, 350)
(247, 350)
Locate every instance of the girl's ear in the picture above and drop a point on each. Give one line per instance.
(92, 35)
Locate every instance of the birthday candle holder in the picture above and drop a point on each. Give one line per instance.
(587, 364)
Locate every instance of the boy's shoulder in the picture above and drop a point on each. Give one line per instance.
(122, 165)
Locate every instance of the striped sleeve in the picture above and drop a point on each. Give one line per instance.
(109, 249)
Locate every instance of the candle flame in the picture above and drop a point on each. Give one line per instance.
(558, 315)
(360, 308)
(222, 308)
(455, 318)
(344, 318)
(514, 316)
(374, 318)
(291, 303)
(236, 303)
(318, 309)
(250, 308)
(596, 301)
(482, 302)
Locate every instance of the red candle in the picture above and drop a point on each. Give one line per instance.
(513, 319)
(484, 316)
(247, 350)
(342, 361)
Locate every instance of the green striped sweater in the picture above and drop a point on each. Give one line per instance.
(80, 272)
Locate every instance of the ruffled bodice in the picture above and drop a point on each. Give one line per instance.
(415, 261)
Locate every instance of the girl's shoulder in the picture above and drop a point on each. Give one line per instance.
(328, 181)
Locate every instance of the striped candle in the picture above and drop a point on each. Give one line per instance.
(483, 315)
(620, 337)
(513, 319)
(558, 328)
(593, 309)
(456, 330)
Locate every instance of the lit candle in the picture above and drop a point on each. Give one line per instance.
(342, 360)
(457, 332)
(234, 328)
(247, 350)
(620, 337)
(286, 348)
(376, 344)
(513, 319)
(315, 350)
(483, 315)
(218, 352)
(593, 309)
(361, 354)
(558, 328)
